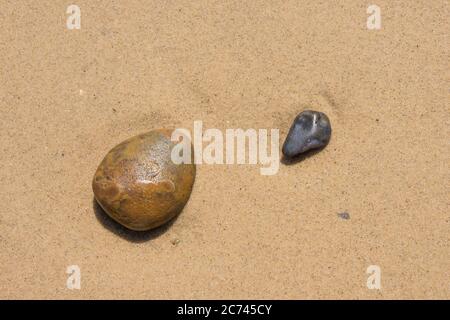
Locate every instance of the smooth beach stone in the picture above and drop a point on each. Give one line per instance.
(310, 130)
(139, 186)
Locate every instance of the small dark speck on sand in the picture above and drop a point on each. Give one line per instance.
(175, 242)
(114, 110)
(344, 215)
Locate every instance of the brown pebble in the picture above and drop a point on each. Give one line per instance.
(139, 186)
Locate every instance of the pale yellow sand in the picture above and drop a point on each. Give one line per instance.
(232, 64)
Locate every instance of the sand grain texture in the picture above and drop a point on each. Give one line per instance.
(69, 96)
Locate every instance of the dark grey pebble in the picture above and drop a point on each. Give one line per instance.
(344, 215)
(310, 130)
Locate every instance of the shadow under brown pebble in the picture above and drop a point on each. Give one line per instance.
(130, 235)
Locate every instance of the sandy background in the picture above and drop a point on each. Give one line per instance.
(68, 96)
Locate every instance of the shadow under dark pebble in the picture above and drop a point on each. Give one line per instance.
(290, 161)
(130, 235)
